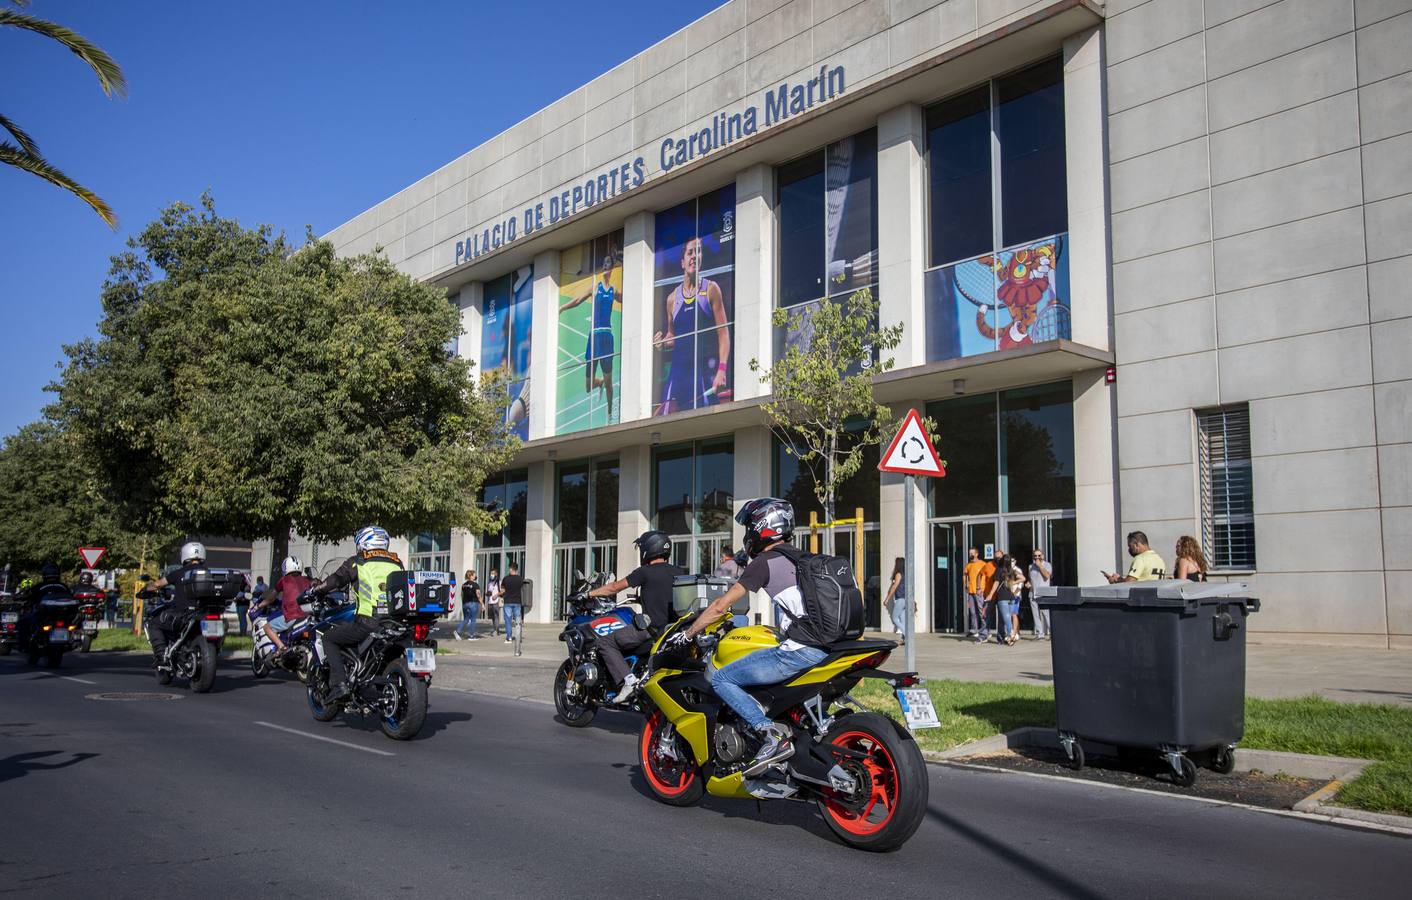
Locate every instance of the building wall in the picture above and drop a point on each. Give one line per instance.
(1261, 215)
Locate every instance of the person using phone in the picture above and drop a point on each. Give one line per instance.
(1147, 565)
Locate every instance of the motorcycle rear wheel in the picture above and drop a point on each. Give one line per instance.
(33, 657)
(56, 657)
(317, 690)
(571, 714)
(5, 649)
(205, 677)
(412, 702)
(674, 782)
(894, 777)
(87, 644)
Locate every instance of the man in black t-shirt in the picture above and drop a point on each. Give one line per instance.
(653, 579)
(511, 590)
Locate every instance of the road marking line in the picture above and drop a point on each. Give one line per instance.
(319, 737)
(79, 680)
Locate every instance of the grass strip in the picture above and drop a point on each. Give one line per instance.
(970, 710)
(122, 639)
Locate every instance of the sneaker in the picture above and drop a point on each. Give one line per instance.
(509, 641)
(457, 635)
(777, 748)
(629, 686)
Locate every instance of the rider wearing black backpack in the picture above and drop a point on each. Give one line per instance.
(818, 603)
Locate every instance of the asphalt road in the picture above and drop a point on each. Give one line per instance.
(239, 793)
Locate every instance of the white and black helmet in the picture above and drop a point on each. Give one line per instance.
(371, 537)
(767, 520)
(193, 551)
(291, 564)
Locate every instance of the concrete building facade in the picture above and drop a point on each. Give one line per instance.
(1151, 260)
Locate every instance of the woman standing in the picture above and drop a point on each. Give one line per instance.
(1005, 593)
(470, 606)
(896, 600)
(1191, 564)
(492, 601)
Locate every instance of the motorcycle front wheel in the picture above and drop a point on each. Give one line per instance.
(258, 666)
(575, 715)
(318, 690)
(205, 677)
(890, 799)
(410, 693)
(670, 772)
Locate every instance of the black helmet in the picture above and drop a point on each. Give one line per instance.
(653, 545)
(85, 578)
(49, 572)
(766, 520)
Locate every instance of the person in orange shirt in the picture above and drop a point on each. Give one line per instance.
(979, 575)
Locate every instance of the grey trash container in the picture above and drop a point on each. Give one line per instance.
(1157, 665)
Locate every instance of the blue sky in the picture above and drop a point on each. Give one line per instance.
(294, 114)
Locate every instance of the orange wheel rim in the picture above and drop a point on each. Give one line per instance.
(668, 777)
(883, 792)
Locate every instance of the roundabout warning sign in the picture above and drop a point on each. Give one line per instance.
(911, 451)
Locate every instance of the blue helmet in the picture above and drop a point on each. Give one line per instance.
(371, 538)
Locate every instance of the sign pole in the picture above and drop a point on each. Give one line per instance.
(909, 605)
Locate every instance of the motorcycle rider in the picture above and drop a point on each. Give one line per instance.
(30, 594)
(769, 523)
(653, 579)
(286, 593)
(367, 570)
(163, 626)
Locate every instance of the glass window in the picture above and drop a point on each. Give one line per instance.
(586, 504)
(794, 483)
(715, 482)
(958, 135)
(506, 313)
(801, 228)
(431, 552)
(1037, 448)
(590, 334)
(605, 500)
(1227, 491)
(573, 503)
(673, 485)
(693, 486)
(967, 442)
(1029, 121)
(694, 303)
(510, 492)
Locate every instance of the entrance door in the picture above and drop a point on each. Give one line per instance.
(1020, 534)
(567, 561)
(947, 574)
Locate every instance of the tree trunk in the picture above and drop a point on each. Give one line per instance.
(829, 495)
(279, 549)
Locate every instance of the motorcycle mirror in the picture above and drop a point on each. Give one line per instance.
(578, 575)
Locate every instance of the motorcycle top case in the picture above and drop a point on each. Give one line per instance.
(212, 585)
(417, 594)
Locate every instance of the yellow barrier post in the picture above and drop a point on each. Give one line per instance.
(813, 531)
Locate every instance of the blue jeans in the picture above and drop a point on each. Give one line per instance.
(899, 614)
(761, 667)
(469, 613)
(513, 612)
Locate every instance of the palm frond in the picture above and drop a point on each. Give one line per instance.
(110, 74)
(26, 142)
(37, 165)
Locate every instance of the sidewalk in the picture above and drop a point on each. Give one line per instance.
(1272, 670)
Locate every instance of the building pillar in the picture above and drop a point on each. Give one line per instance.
(902, 231)
(892, 504)
(539, 535)
(754, 477)
(754, 277)
(544, 329)
(1085, 140)
(470, 301)
(634, 502)
(1095, 476)
(635, 392)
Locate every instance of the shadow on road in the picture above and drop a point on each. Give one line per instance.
(21, 764)
(611, 720)
(1013, 856)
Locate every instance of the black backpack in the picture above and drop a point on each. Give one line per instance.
(833, 605)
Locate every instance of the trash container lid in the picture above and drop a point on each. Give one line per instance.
(694, 580)
(1173, 592)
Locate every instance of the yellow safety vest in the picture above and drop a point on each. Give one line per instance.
(370, 589)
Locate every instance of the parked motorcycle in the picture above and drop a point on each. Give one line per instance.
(298, 657)
(91, 601)
(582, 686)
(10, 612)
(389, 673)
(863, 771)
(199, 626)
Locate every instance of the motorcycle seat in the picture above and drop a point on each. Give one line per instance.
(861, 645)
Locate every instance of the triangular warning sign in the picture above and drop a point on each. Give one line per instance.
(91, 555)
(911, 452)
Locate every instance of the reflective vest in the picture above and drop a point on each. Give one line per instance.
(370, 589)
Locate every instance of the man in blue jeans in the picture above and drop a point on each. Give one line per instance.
(769, 523)
(511, 588)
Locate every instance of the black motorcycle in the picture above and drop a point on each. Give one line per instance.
(196, 627)
(582, 686)
(46, 631)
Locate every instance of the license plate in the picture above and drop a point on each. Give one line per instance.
(58, 637)
(9, 617)
(421, 659)
(917, 708)
(213, 628)
(90, 626)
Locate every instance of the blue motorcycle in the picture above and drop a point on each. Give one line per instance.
(298, 656)
(582, 686)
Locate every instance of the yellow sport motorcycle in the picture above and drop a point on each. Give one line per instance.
(863, 770)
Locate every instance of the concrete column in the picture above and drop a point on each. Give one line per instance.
(539, 534)
(543, 349)
(470, 302)
(634, 502)
(1085, 140)
(754, 277)
(892, 544)
(902, 228)
(1096, 476)
(638, 245)
(754, 477)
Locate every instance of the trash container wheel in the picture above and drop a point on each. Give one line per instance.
(1076, 758)
(1187, 777)
(1223, 760)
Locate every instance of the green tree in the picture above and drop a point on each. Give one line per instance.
(251, 389)
(51, 504)
(24, 153)
(822, 409)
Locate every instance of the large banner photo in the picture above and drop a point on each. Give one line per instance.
(694, 304)
(506, 311)
(589, 369)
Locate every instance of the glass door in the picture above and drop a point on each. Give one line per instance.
(1061, 536)
(947, 573)
(1020, 536)
(567, 560)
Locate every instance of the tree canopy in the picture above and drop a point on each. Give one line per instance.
(238, 386)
